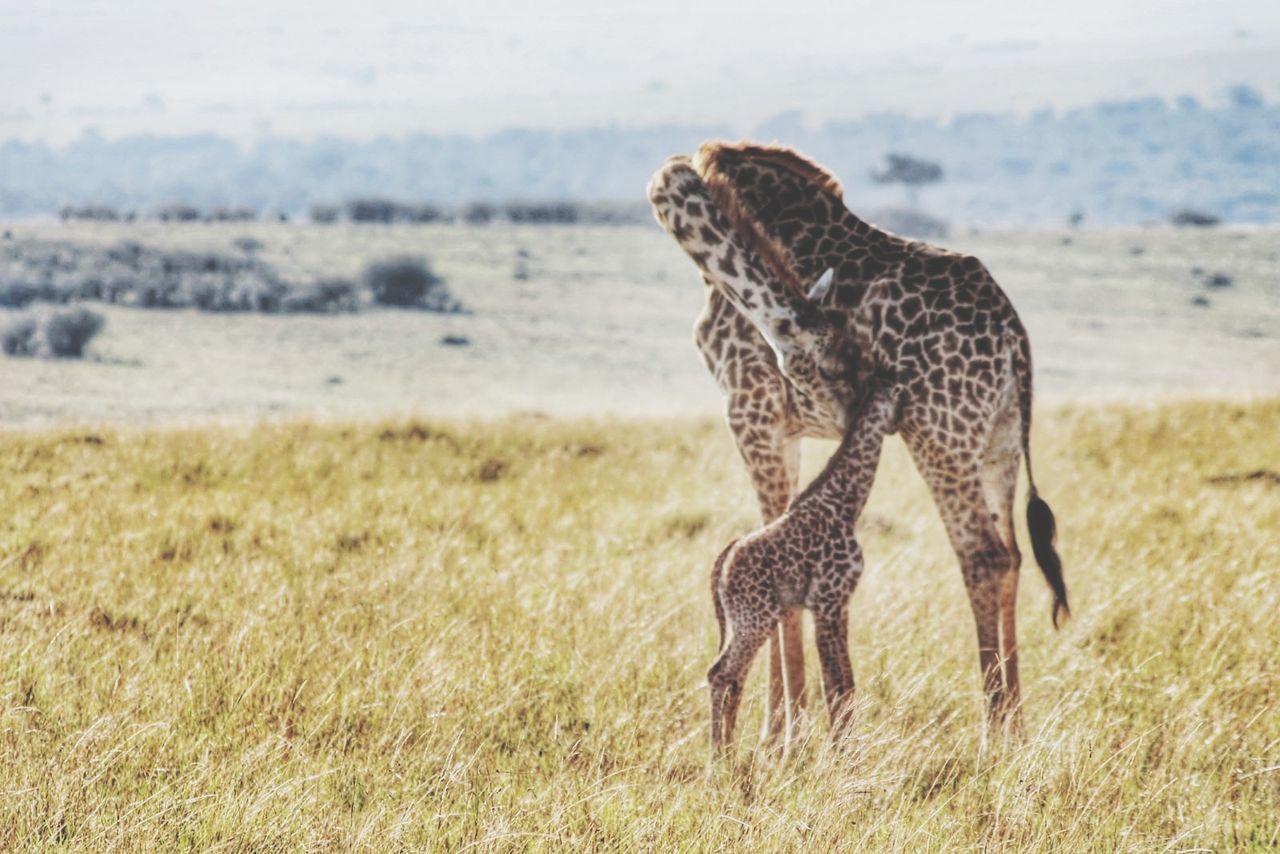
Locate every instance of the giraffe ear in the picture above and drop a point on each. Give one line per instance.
(822, 287)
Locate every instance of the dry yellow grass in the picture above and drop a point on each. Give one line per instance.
(422, 634)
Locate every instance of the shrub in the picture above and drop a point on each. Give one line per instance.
(98, 213)
(372, 210)
(616, 214)
(408, 282)
(178, 212)
(325, 214)
(327, 296)
(237, 214)
(478, 213)
(127, 252)
(161, 294)
(255, 290)
(543, 213)
(18, 337)
(17, 294)
(424, 213)
(400, 281)
(69, 330)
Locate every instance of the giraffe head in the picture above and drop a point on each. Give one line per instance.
(818, 356)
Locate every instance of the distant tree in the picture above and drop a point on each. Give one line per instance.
(178, 212)
(1190, 217)
(478, 213)
(1245, 97)
(372, 210)
(543, 213)
(325, 214)
(911, 172)
(237, 214)
(423, 213)
(99, 213)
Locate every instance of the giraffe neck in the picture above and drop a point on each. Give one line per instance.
(841, 485)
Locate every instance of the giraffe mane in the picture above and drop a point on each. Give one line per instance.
(714, 152)
(710, 162)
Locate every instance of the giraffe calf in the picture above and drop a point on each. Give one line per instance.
(807, 558)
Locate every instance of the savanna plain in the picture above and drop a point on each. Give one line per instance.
(458, 597)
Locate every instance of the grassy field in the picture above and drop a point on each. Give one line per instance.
(413, 634)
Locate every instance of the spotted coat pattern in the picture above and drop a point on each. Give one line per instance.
(807, 558)
(759, 222)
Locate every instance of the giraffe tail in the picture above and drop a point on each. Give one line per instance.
(715, 591)
(1040, 521)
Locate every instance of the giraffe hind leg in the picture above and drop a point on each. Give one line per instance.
(1000, 464)
(773, 461)
(954, 469)
(832, 635)
(727, 676)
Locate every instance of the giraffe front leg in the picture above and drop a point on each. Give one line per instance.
(829, 601)
(832, 634)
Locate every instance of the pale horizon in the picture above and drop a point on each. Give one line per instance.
(306, 70)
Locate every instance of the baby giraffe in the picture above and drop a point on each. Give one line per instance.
(807, 558)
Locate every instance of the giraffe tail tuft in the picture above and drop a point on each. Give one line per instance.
(1040, 522)
(1044, 529)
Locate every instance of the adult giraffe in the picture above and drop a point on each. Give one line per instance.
(759, 222)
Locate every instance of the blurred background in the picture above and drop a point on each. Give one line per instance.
(1037, 111)
(441, 206)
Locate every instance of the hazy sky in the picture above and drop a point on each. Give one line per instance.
(296, 67)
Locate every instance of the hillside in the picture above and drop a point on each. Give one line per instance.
(1115, 163)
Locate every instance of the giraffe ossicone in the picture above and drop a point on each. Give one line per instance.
(822, 287)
